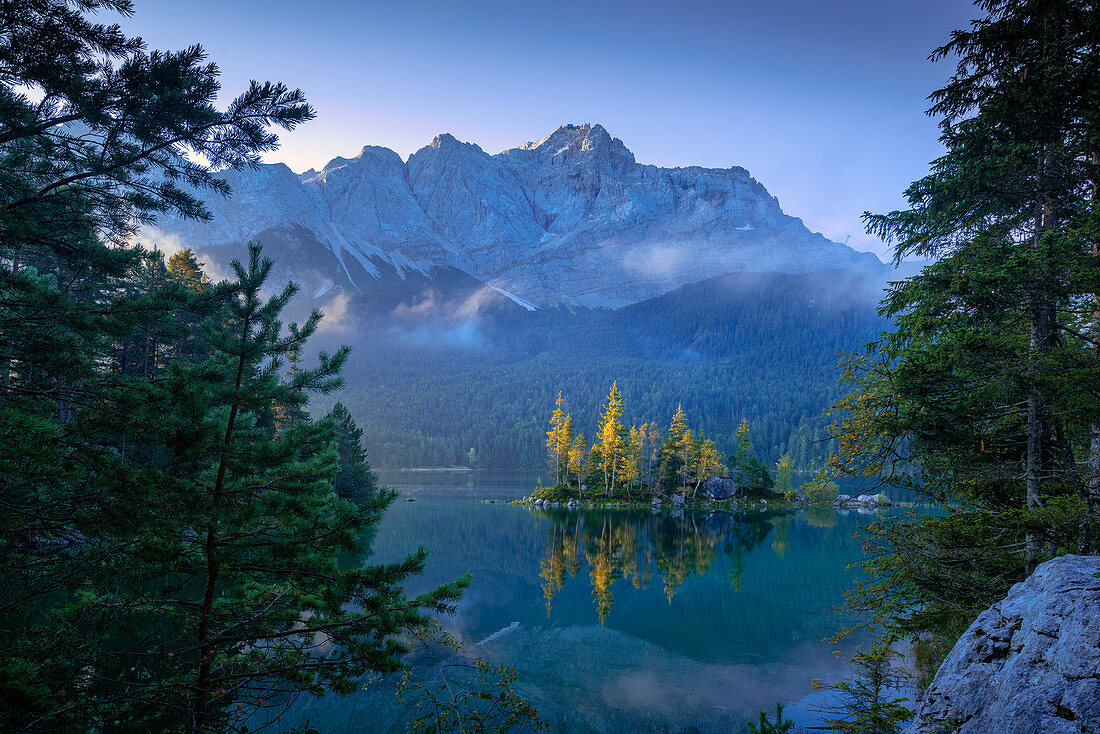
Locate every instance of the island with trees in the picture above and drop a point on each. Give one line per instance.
(643, 466)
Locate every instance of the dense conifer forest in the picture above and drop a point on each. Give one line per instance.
(756, 347)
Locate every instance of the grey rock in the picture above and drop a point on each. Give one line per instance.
(843, 498)
(718, 488)
(1030, 663)
(571, 219)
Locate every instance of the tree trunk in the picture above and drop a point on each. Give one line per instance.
(1092, 492)
(202, 701)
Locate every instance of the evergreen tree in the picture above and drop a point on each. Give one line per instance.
(168, 555)
(249, 513)
(651, 454)
(984, 395)
(748, 472)
(354, 478)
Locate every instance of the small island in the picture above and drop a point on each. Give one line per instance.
(640, 467)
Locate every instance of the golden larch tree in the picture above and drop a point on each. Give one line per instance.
(611, 439)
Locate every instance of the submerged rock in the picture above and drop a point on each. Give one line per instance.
(1030, 663)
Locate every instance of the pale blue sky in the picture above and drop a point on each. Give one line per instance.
(821, 101)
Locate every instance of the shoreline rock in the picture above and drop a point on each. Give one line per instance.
(1030, 663)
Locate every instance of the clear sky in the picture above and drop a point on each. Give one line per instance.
(821, 100)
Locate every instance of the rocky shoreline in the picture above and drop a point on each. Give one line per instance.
(547, 498)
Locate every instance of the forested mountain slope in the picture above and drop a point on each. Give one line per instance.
(430, 384)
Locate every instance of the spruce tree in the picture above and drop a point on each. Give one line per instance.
(984, 395)
(355, 480)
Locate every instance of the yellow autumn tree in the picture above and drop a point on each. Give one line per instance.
(651, 454)
(611, 439)
(578, 458)
(559, 438)
(679, 425)
(784, 474)
(632, 458)
(686, 452)
(707, 463)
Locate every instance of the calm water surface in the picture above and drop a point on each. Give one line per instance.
(621, 620)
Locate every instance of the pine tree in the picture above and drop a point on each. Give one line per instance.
(679, 424)
(167, 553)
(249, 513)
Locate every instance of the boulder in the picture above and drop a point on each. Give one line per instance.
(718, 488)
(1030, 663)
(865, 499)
(840, 498)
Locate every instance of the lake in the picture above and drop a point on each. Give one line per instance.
(616, 619)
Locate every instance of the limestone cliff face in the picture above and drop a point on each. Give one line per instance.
(572, 218)
(1027, 665)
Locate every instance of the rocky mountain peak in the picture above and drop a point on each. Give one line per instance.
(571, 218)
(585, 141)
(446, 141)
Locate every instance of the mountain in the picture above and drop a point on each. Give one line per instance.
(572, 219)
(473, 287)
(758, 346)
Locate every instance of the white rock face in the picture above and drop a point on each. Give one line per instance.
(572, 218)
(1028, 665)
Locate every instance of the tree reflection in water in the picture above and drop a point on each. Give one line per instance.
(636, 547)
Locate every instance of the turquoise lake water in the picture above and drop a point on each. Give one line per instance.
(622, 620)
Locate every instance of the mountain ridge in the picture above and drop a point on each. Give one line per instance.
(569, 219)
